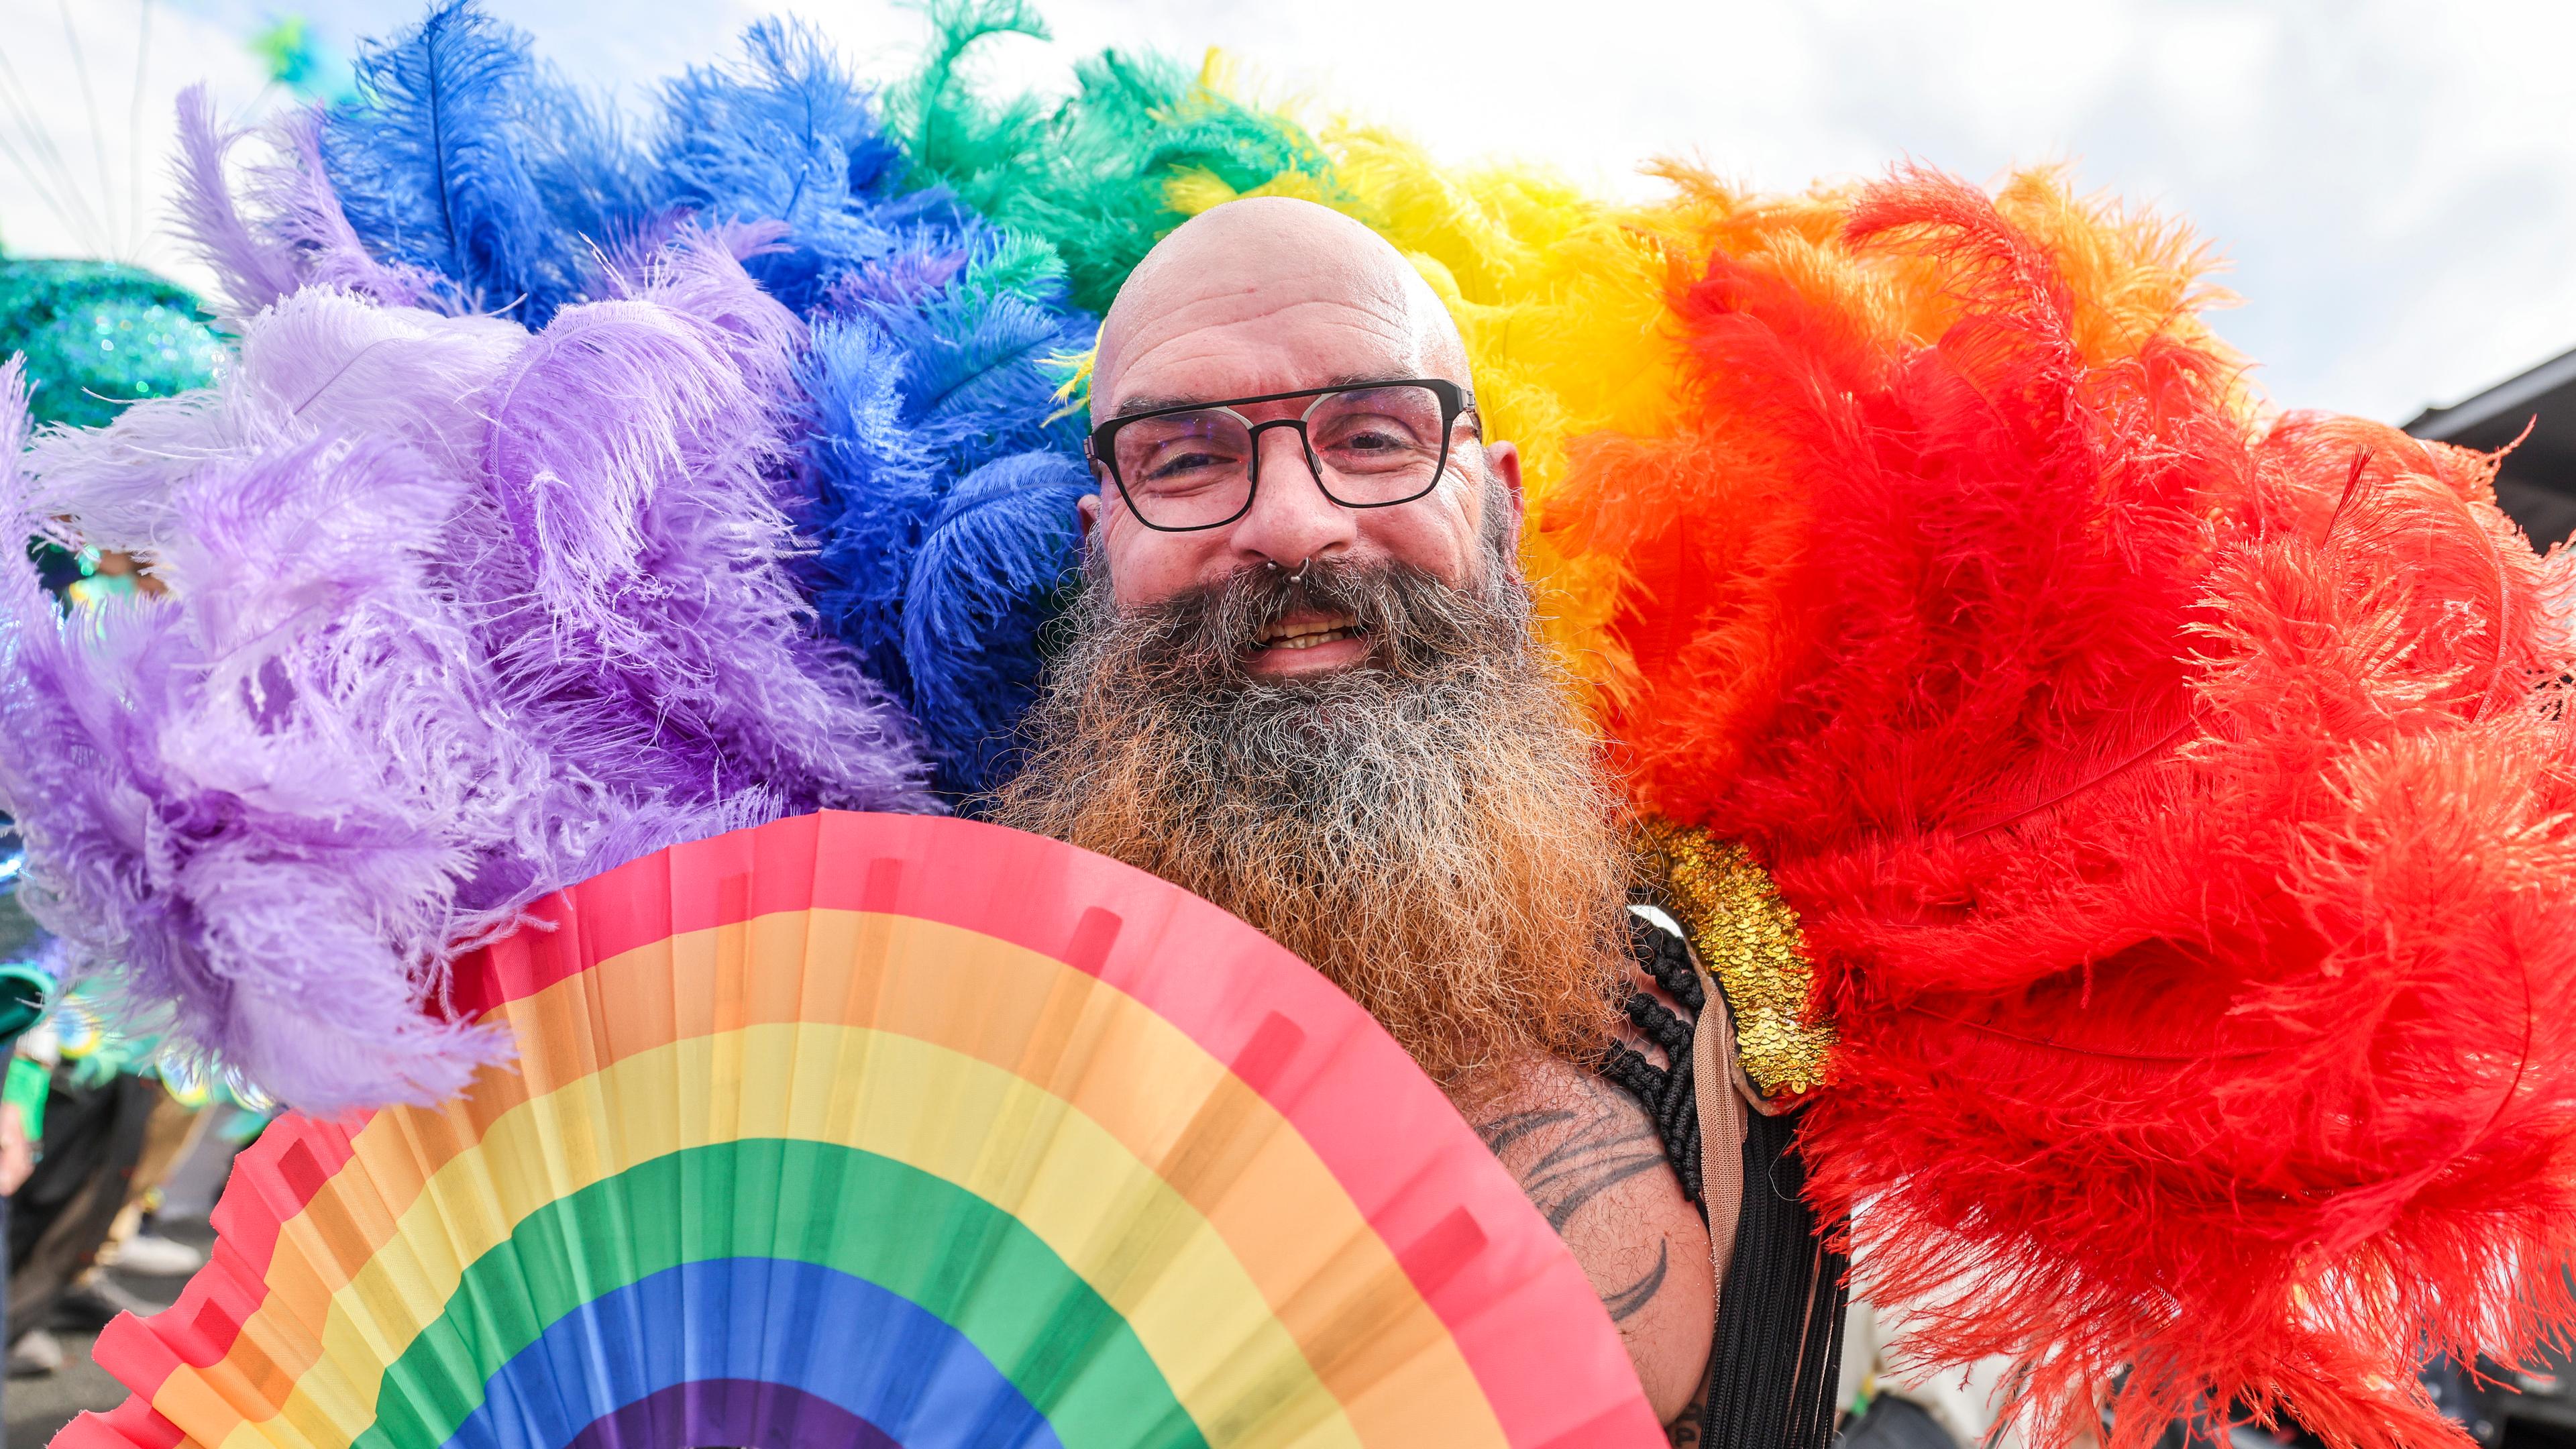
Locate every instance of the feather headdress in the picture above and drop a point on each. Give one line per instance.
(467, 179)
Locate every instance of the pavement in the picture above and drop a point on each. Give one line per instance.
(37, 1407)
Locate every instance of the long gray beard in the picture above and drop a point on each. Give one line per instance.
(1431, 831)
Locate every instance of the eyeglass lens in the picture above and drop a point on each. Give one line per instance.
(1373, 446)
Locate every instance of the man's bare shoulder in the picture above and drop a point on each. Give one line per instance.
(1590, 1159)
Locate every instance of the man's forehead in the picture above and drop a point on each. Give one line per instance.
(1133, 402)
(1203, 360)
(1268, 295)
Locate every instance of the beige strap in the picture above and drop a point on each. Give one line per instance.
(1714, 1075)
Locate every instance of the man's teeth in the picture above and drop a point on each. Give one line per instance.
(1309, 641)
(1306, 636)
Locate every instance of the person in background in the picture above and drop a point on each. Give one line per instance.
(93, 1139)
(170, 1134)
(22, 1124)
(109, 576)
(26, 988)
(22, 1118)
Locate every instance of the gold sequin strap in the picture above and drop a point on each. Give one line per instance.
(1748, 938)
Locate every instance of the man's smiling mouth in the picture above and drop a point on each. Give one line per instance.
(1306, 631)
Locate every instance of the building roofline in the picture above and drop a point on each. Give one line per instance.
(2514, 394)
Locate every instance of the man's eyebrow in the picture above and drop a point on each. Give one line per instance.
(1151, 402)
(1156, 402)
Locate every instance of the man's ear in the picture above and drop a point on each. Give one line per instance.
(1087, 510)
(1504, 459)
(1503, 465)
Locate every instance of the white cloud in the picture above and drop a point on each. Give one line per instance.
(2392, 181)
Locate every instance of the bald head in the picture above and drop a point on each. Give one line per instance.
(1269, 294)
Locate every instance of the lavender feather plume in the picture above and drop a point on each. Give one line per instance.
(459, 614)
(251, 269)
(294, 231)
(638, 451)
(258, 805)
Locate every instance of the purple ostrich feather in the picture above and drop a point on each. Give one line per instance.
(299, 235)
(259, 805)
(457, 615)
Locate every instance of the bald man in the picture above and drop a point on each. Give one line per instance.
(1303, 682)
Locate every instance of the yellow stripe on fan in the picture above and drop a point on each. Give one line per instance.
(1149, 1111)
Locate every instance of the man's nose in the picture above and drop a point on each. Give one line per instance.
(1291, 520)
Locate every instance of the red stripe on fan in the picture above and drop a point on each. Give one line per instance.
(271, 1182)
(1307, 1048)
(130, 1425)
(1618, 1426)
(285, 1175)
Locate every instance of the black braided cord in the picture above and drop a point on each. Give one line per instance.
(1670, 1094)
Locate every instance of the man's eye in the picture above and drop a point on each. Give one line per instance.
(1368, 433)
(1370, 442)
(1185, 466)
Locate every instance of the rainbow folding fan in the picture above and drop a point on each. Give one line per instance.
(875, 1130)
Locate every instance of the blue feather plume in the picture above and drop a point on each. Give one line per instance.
(987, 578)
(787, 135)
(600, 189)
(462, 156)
(938, 478)
(872, 491)
(431, 164)
(945, 480)
(983, 374)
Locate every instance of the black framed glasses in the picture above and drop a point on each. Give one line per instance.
(1370, 444)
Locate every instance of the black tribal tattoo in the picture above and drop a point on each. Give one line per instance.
(1623, 1305)
(1588, 1150)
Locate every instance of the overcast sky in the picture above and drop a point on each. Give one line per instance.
(2394, 185)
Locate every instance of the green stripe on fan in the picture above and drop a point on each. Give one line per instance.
(905, 1230)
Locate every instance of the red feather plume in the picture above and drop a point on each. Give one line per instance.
(2178, 810)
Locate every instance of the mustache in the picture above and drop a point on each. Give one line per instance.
(1417, 623)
